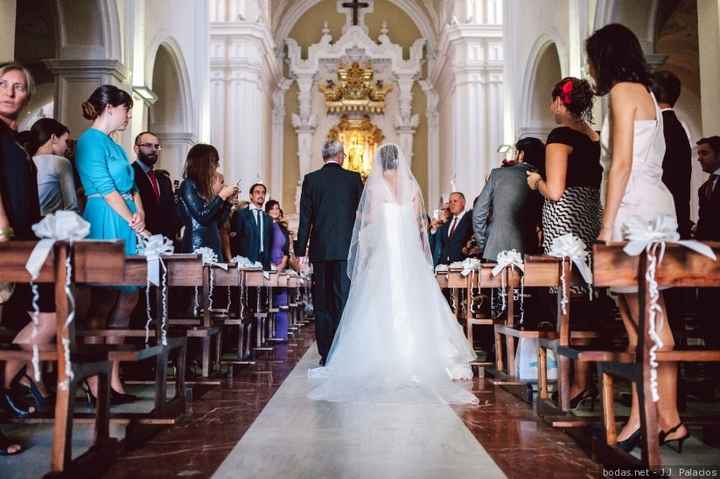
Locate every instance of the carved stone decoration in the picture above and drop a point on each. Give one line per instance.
(355, 91)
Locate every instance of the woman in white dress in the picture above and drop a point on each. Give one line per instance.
(634, 141)
(397, 341)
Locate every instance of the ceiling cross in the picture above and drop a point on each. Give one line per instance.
(356, 5)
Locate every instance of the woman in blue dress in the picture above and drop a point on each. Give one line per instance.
(113, 209)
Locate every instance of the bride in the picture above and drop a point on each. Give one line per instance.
(397, 341)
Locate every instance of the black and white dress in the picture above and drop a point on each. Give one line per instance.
(578, 211)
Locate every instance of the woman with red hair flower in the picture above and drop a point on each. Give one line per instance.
(571, 188)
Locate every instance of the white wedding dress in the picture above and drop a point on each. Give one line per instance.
(398, 340)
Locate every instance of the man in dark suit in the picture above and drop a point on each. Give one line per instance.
(456, 232)
(251, 229)
(708, 229)
(155, 188)
(677, 164)
(506, 214)
(328, 205)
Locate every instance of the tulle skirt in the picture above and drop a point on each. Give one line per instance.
(398, 340)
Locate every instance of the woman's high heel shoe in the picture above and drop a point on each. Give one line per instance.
(664, 441)
(631, 442)
(42, 403)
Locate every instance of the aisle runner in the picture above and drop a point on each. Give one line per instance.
(297, 438)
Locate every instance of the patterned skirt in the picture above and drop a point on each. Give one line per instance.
(578, 211)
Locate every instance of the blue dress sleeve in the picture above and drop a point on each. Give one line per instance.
(93, 161)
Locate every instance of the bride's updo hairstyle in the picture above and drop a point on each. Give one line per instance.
(389, 157)
(102, 97)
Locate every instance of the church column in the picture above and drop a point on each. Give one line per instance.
(75, 80)
(433, 119)
(305, 124)
(278, 137)
(467, 73)
(8, 14)
(243, 130)
(709, 39)
(406, 122)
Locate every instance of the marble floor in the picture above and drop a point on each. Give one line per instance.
(295, 437)
(261, 425)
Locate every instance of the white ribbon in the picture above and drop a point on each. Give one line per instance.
(152, 248)
(62, 225)
(571, 247)
(470, 265)
(649, 236)
(209, 257)
(510, 259)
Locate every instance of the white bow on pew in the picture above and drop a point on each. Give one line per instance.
(510, 259)
(649, 236)
(571, 247)
(208, 258)
(63, 225)
(153, 247)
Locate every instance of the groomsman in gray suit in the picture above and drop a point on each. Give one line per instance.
(507, 212)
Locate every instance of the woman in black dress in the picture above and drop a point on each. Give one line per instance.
(20, 210)
(571, 186)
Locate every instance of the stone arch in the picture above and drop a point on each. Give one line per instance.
(639, 15)
(298, 9)
(545, 67)
(170, 117)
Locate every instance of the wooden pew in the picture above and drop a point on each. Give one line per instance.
(92, 262)
(456, 282)
(680, 267)
(164, 411)
(187, 270)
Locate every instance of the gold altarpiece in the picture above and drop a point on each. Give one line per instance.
(356, 95)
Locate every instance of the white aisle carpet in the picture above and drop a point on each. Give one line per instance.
(295, 437)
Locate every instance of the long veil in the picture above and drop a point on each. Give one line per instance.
(397, 341)
(390, 181)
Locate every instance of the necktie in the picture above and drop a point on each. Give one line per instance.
(154, 183)
(452, 226)
(710, 186)
(259, 223)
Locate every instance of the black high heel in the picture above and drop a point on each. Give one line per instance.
(587, 393)
(12, 402)
(662, 437)
(43, 403)
(631, 442)
(116, 398)
(91, 401)
(6, 443)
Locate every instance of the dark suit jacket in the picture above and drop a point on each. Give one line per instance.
(708, 227)
(507, 212)
(246, 241)
(677, 169)
(451, 248)
(160, 214)
(328, 205)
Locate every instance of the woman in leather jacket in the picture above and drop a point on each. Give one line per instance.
(205, 201)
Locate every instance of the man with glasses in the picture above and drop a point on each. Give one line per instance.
(155, 188)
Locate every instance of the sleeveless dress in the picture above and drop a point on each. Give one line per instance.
(579, 210)
(646, 196)
(103, 167)
(398, 341)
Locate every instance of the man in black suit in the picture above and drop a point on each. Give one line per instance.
(708, 229)
(328, 205)
(251, 229)
(155, 188)
(677, 164)
(456, 232)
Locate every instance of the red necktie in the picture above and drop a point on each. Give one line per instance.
(154, 183)
(452, 226)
